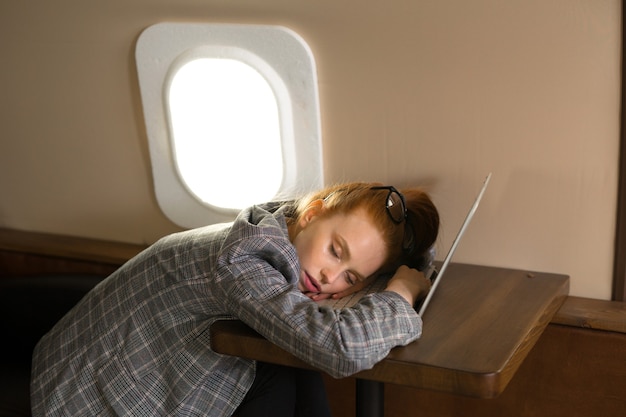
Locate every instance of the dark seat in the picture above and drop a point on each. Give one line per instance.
(29, 308)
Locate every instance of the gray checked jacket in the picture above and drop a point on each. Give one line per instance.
(138, 344)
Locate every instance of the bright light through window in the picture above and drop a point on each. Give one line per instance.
(224, 116)
(232, 117)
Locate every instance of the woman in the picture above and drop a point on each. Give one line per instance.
(138, 343)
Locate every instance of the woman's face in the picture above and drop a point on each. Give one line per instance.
(336, 251)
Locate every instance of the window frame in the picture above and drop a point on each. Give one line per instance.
(280, 55)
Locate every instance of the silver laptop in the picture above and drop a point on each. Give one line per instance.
(439, 274)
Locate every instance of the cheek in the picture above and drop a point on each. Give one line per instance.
(303, 247)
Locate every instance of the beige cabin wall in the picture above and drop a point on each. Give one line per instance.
(439, 93)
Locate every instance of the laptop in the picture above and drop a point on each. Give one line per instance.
(439, 274)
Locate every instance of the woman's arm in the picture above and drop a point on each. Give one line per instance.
(339, 342)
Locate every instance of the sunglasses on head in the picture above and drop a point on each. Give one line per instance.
(397, 211)
(395, 203)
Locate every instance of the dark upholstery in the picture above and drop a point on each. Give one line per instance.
(29, 307)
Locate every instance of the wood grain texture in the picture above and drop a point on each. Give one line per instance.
(70, 247)
(571, 372)
(478, 329)
(592, 314)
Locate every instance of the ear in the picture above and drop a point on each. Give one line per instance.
(313, 210)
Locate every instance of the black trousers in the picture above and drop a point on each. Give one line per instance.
(280, 391)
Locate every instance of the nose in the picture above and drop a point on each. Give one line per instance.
(329, 274)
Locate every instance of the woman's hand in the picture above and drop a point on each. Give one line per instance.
(410, 283)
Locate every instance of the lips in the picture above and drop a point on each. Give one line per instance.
(309, 283)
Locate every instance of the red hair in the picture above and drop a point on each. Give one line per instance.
(422, 217)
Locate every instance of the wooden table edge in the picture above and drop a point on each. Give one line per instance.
(233, 337)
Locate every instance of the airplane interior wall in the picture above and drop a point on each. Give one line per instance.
(431, 92)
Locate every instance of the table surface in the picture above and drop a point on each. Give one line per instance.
(478, 328)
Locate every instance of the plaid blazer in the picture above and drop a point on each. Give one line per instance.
(138, 344)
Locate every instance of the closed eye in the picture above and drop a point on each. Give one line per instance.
(350, 279)
(339, 250)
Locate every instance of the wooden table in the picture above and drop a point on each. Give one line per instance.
(478, 328)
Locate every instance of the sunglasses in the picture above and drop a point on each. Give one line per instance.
(395, 203)
(396, 209)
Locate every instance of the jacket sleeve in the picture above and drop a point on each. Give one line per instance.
(339, 342)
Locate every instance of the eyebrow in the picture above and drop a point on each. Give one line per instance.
(346, 251)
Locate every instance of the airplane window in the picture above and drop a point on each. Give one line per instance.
(232, 117)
